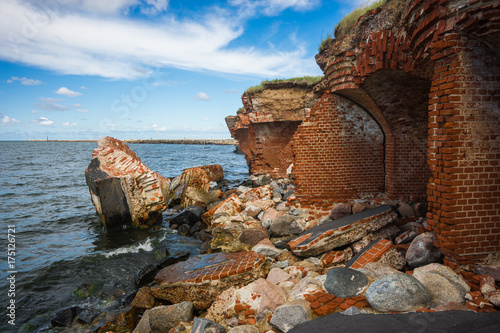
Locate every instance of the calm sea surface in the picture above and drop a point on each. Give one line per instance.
(59, 240)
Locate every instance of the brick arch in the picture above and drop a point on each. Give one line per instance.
(338, 153)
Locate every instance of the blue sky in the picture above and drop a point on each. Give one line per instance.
(140, 69)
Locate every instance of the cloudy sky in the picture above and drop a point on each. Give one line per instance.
(82, 69)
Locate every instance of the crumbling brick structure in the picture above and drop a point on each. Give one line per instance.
(266, 124)
(412, 111)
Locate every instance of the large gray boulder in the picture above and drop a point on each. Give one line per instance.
(163, 318)
(280, 226)
(443, 283)
(422, 250)
(288, 316)
(398, 292)
(345, 282)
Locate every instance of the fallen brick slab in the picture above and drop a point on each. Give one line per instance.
(201, 278)
(371, 253)
(328, 236)
(124, 191)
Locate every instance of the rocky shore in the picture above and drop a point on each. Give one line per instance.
(269, 266)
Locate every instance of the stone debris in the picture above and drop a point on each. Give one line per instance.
(423, 251)
(345, 282)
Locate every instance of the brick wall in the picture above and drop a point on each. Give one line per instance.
(427, 72)
(338, 152)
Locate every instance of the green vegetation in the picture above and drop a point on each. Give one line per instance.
(348, 22)
(310, 80)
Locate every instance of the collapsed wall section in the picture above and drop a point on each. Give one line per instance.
(267, 122)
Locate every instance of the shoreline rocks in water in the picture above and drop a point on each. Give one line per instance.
(269, 266)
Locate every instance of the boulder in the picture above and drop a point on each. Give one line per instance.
(202, 325)
(186, 216)
(201, 278)
(66, 316)
(288, 316)
(277, 275)
(231, 206)
(259, 193)
(398, 292)
(443, 283)
(270, 214)
(360, 206)
(252, 210)
(280, 226)
(345, 282)
(405, 210)
(340, 210)
(261, 295)
(144, 299)
(165, 317)
(123, 190)
(252, 236)
(330, 235)
(422, 250)
(267, 250)
(378, 270)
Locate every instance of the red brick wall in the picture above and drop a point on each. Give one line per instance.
(464, 147)
(338, 152)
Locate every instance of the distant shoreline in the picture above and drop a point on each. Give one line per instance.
(162, 141)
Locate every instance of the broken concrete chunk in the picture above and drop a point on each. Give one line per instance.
(231, 206)
(330, 235)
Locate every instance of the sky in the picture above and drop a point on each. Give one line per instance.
(148, 69)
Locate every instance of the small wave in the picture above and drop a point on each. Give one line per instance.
(145, 246)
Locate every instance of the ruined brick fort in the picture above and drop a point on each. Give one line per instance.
(409, 107)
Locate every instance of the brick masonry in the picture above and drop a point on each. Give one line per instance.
(427, 72)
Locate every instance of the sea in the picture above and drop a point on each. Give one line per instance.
(53, 242)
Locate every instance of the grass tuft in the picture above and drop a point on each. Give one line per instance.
(303, 79)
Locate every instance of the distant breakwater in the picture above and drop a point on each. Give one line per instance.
(164, 141)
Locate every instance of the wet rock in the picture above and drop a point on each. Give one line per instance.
(202, 325)
(345, 282)
(144, 299)
(66, 316)
(288, 316)
(201, 278)
(280, 226)
(188, 216)
(422, 250)
(163, 318)
(123, 190)
(184, 230)
(281, 243)
(443, 283)
(87, 316)
(330, 235)
(195, 228)
(231, 206)
(398, 292)
(145, 276)
(84, 290)
(340, 210)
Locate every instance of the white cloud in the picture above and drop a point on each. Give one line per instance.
(230, 91)
(82, 110)
(251, 8)
(118, 47)
(25, 81)
(34, 111)
(9, 120)
(158, 128)
(49, 104)
(113, 125)
(83, 87)
(154, 7)
(201, 96)
(42, 121)
(66, 92)
(205, 119)
(69, 124)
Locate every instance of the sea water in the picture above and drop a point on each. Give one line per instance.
(53, 241)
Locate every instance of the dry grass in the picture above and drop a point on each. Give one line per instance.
(303, 79)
